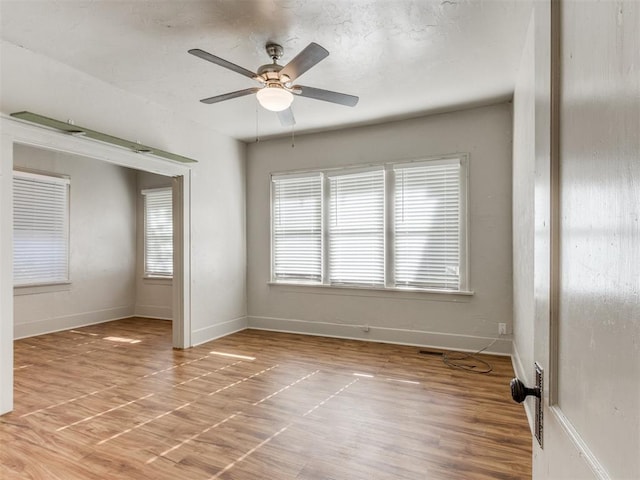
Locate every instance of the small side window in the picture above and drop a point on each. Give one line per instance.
(158, 232)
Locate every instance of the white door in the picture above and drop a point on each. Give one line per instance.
(587, 328)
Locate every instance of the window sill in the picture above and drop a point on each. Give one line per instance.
(374, 291)
(37, 289)
(149, 280)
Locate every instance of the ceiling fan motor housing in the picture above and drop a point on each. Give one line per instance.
(269, 71)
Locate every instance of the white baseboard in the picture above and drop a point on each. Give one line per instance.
(448, 341)
(519, 370)
(56, 324)
(154, 311)
(212, 332)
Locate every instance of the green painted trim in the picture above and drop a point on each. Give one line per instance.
(102, 137)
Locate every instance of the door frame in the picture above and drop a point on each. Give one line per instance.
(14, 132)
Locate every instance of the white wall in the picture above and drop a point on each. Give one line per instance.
(29, 81)
(102, 247)
(154, 297)
(452, 321)
(524, 158)
(218, 242)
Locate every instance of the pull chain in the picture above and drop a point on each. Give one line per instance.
(293, 136)
(257, 114)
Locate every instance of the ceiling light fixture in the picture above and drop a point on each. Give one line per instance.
(274, 98)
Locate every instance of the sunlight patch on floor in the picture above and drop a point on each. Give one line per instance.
(122, 340)
(232, 355)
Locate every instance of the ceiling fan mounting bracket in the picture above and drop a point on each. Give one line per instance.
(274, 51)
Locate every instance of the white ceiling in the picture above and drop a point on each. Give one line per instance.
(402, 58)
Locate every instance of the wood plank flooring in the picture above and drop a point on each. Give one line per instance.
(114, 401)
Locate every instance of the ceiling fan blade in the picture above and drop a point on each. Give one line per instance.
(306, 59)
(286, 118)
(222, 62)
(326, 95)
(229, 96)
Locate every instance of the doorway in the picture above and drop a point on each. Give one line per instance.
(20, 135)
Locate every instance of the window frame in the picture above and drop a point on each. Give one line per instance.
(147, 275)
(389, 233)
(45, 284)
(463, 268)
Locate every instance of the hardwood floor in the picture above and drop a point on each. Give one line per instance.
(114, 401)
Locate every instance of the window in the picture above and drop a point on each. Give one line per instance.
(396, 226)
(356, 228)
(40, 229)
(158, 232)
(427, 225)
(297, 228)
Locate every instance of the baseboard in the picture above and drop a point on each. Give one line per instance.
(56, 324)
(154, 311)
(212, 332)
(446, 341)
(518, 368)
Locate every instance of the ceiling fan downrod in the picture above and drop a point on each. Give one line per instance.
(274, 51)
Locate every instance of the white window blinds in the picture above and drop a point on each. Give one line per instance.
(427, 225)
(40, 229)
(391, 226)
(356, 228)
(297, 228)
(158, 232)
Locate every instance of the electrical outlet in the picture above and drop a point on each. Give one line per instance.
(365, 328)
(502, 329)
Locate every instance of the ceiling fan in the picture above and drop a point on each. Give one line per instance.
(277, 91)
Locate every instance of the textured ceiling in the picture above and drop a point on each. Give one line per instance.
(402, 58)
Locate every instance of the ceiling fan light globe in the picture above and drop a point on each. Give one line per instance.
(275, 99)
